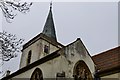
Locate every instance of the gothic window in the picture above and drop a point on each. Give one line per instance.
(29, 57)
(46, 49)
(37, 75)
(82, 72)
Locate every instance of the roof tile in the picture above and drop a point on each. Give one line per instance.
(107, 60)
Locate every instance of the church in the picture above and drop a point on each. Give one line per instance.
(43, 57)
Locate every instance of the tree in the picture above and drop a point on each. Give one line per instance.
(8, 42)
(9, 7)
(9, 45)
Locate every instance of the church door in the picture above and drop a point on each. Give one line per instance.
(37, 75)
(81, 71)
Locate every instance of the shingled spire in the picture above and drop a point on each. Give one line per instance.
(49, 28)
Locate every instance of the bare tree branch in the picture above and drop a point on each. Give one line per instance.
(9, 45)
(9, 7)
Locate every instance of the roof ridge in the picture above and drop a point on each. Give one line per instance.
(106, 51)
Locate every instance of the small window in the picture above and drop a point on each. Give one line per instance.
(29, 57)
(46, 50)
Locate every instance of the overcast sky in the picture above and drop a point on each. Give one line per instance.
(96, 23)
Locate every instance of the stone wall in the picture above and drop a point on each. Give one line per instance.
(37, 49)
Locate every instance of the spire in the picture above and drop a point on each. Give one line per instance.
(49, 29)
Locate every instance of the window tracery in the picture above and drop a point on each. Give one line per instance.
(82, 72)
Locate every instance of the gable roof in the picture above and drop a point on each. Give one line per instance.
(44, 37)
(108, 62)
(80, 44)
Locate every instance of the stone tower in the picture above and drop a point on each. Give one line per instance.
(41, 45)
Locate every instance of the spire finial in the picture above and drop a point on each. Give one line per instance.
(51, 5)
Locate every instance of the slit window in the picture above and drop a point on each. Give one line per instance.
(29, 57)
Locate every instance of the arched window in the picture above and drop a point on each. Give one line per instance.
(29, 57)
(81, 71)
(37, 75)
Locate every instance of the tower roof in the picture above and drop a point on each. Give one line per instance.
(49, 28)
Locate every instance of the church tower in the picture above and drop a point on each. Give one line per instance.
(41, 45)
(44, 58)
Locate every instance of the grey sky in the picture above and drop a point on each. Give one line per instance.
(96, 23)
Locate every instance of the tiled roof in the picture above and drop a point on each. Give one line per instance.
(108, 60)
